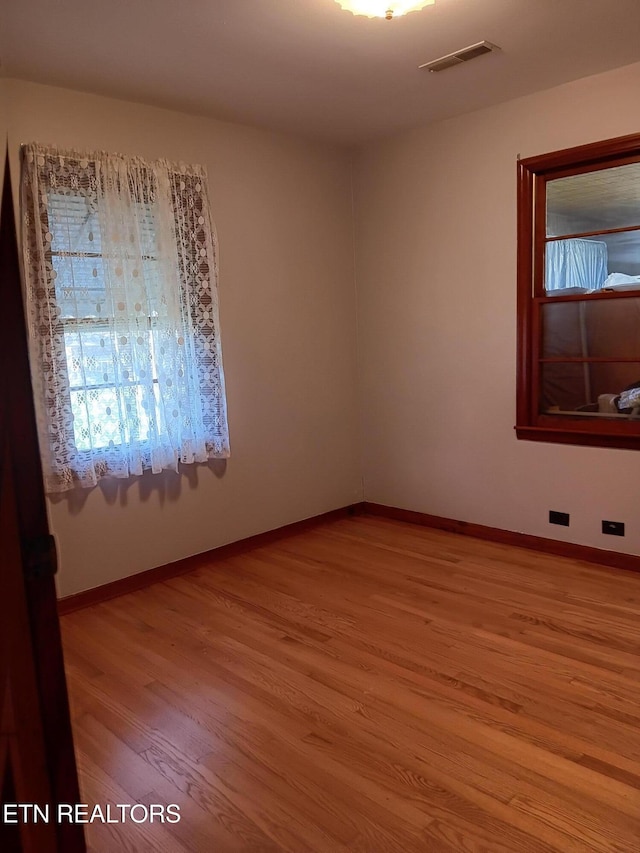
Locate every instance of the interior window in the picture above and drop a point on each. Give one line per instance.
(579, 295)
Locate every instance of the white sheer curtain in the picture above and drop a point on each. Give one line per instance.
(576, 263)
(120, 260)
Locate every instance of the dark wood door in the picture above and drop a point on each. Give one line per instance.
(37, 762)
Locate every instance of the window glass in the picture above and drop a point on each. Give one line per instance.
(594, 201)
(579, 389)
(596, 328)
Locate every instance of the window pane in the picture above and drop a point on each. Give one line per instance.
(96, 418)
(586, 387)
(623, 256)
(593, 328)
(613, 328)
(610, 261)
(564, 331)
(594, 201)
(80, 290)
(73, 223)
(574, 265)
(103, 413)
(90, 356)
(106, 416)
(564, 387)
(75, 249)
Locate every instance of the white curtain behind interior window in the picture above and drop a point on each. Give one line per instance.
(121, 293)
(576, 263)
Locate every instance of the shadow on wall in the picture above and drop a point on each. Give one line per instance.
(167, 485)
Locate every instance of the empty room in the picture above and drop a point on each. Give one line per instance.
(320, 426)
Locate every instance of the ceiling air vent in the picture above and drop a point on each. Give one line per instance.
(460, 56)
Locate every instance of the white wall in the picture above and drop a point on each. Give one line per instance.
(436, 275)
(282, 207)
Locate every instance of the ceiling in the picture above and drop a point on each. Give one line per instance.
(307, 66)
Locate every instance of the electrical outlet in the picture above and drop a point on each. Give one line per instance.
(613, 528)
(559, 518)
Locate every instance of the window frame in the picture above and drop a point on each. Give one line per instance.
(533, 175)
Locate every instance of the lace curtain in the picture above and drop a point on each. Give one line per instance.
(120, 261)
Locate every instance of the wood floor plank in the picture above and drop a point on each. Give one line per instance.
(367, 686)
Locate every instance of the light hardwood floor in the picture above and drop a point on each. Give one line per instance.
(367, 685)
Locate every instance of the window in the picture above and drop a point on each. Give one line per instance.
(579, 295)
(120, 268)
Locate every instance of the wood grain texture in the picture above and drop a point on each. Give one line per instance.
(130, 583)
(366, 686)
(615, 559)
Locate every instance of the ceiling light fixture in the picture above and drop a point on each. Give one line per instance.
(383, 8)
